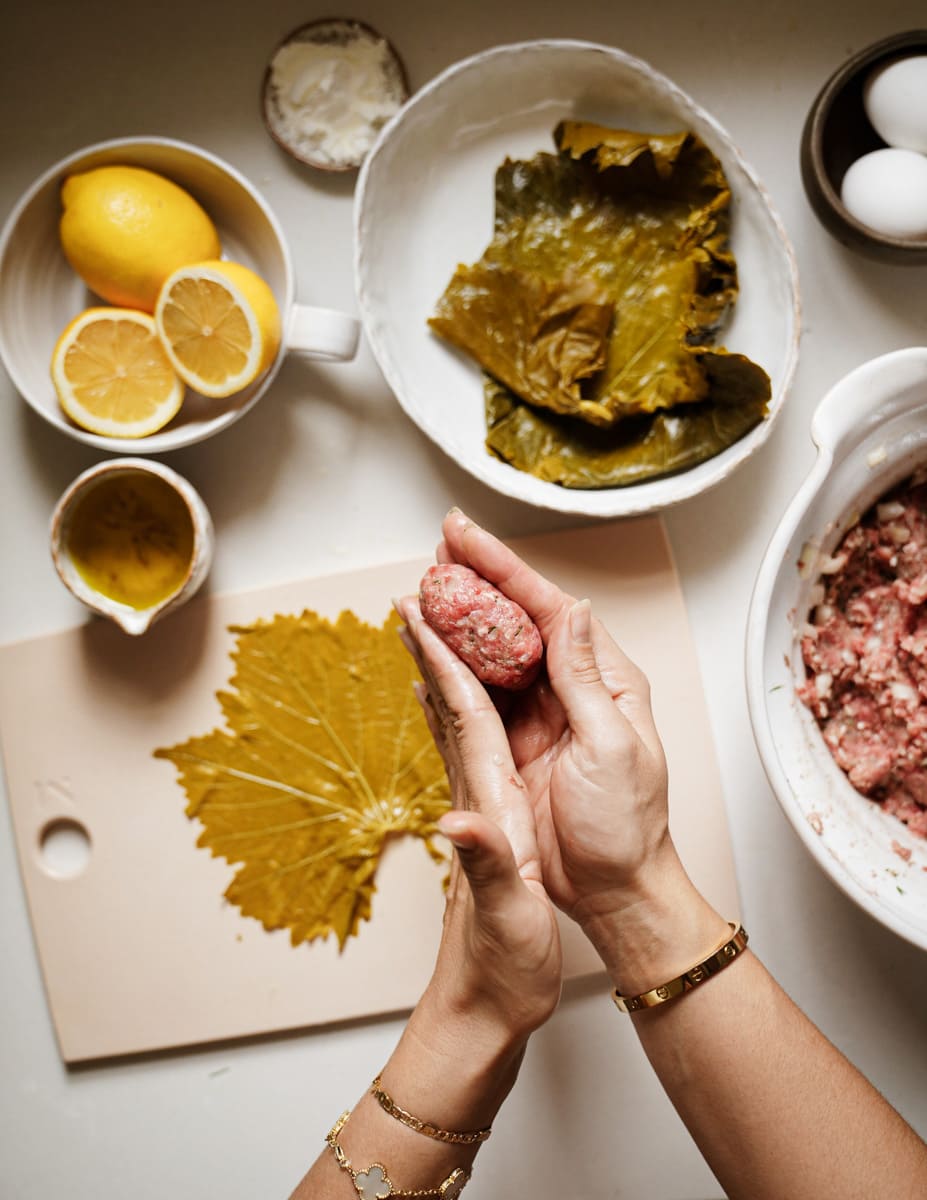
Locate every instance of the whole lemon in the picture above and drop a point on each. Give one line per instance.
(124, 230)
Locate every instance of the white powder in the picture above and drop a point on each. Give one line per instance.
(329, 98)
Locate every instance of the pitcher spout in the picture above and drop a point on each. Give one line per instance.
(134, 623)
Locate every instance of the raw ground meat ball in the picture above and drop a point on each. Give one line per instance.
(493, 635)
(865, 654)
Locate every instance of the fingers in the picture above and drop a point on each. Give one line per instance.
(468, 544)
(465, 542)
(575, 675)
(487, 860)
(596, 682)
(469, 734)
(457, 696)
(436, 729)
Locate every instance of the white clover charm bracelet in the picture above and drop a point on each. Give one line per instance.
(374, 1182)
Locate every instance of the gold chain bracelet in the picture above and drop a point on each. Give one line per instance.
(721, 958)
(374, 1183)
(389, 1105)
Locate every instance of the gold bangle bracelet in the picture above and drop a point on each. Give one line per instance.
(721, 958)
(389, 1105)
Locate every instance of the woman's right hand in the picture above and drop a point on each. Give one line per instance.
(585, 745)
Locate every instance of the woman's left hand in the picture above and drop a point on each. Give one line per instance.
(497, 975)
(499, 963)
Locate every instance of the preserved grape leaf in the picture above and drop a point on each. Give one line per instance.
(553, 334)
(636, 223)
(325, 756)
(574, 454)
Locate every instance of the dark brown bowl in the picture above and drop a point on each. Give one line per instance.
(837, 132)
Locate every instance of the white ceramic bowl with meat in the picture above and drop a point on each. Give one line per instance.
(871, 435)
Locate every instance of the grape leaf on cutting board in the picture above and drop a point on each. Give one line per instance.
(326, 755)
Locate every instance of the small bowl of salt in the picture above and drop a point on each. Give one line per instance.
(329, 89)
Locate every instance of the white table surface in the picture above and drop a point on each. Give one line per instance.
(328, 473)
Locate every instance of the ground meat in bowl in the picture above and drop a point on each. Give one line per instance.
(865, 654)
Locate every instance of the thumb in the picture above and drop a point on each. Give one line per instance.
(574, 672)
(487, 860)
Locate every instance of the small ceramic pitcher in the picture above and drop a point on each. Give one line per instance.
(131, 619)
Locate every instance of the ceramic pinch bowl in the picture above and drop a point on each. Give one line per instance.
(195, 527)
(367, 94)
(871, 433)
(40, 293)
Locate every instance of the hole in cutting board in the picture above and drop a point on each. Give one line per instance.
(64, 848)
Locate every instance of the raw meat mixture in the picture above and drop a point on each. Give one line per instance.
(865, 653)
(493, 635)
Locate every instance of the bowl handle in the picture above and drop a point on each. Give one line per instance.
(869, 396)
(322, 333)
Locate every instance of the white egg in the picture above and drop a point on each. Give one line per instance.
(895, 99)
(887, 190)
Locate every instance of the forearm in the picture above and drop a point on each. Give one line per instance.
(775, 1109)
(451, 1070)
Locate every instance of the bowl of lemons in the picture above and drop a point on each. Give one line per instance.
(144, 288)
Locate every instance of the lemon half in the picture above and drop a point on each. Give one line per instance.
(112, 374)
(220, 325)
(125, 229)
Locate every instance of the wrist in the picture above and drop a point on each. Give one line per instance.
(457, 1067)
(500, 1003)
(479, 1033)
(653, 932)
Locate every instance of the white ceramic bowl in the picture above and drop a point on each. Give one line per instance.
(424, 204)
(40, 293)
(870, 431)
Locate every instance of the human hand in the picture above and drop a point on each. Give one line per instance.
(499, 961)
(586, 747)
(498, 970)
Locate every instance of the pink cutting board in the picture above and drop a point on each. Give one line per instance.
(140, 952)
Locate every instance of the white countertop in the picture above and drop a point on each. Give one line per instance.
(327, 473)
